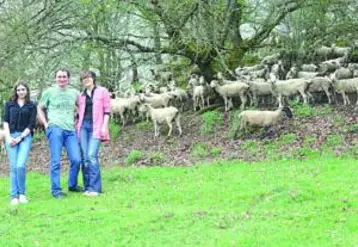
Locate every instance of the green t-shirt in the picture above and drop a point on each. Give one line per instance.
(60, 104)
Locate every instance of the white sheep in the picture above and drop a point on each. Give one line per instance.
(289, 88)
(324, 51)
(122, 105)
(345, 86)
(228, 91)
(309, 67)
(341, 51)
(343, 73)
(259, 88)
(320, 84)
(166, 114)
(262, 118)
(158, 100)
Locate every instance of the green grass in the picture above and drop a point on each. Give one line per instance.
(280, 203)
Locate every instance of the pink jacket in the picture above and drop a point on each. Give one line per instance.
(101, 105)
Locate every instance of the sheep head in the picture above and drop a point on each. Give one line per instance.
(214, 84)
(287, 111)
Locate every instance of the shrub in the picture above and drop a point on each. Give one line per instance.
(199, 150)
(215, 151)
(156, 157)
(133, 157)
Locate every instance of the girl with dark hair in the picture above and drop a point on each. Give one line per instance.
(19, 122)
(92, 129)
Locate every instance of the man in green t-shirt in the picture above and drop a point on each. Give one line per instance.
(60, 103)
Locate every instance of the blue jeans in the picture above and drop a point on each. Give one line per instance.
(57, 138)
(18, 156)
(90, 147)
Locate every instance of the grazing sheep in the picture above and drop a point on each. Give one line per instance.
(166, 114)
(262, 118)
(320, 84)
(289, 88)
(228, 91)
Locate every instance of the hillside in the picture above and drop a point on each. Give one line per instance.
(313, 131)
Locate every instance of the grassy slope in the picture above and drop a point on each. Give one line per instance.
(286, 203)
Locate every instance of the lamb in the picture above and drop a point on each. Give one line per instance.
(167, 114)
(230, 90)
(290, 87)
(262, 118)
(319, 84)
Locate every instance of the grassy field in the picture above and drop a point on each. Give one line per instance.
(226, 203)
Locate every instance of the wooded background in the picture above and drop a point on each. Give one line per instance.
(122, 40)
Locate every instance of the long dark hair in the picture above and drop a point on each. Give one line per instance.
(14, 96)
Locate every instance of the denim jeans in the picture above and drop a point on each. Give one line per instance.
(57, 138)
(18, 156)
(90, 148)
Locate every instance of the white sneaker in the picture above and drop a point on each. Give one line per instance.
(91, 193)
(23, 199)
(14, 201)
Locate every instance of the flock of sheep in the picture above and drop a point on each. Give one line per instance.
(332, 74)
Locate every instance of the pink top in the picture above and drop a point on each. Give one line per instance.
(101, 105)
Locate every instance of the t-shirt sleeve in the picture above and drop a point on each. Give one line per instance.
(45, 98)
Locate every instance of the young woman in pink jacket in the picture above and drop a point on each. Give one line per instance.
(92, 129)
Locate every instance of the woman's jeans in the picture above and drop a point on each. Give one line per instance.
(58, 138)
(18, 156)
(90, 148)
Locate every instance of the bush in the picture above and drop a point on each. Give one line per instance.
(133, 157)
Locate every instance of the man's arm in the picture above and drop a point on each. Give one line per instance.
(41, 115)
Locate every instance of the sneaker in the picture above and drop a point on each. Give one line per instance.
(14, 201)
(23, 199)
(76, 189)
(91, 193)
(86, 193)
(60, 195)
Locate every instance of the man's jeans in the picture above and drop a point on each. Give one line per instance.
(57, 138)
(90, 148)
(18, 156)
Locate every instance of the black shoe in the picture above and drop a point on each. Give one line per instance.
(76, 189)
(60, 195)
